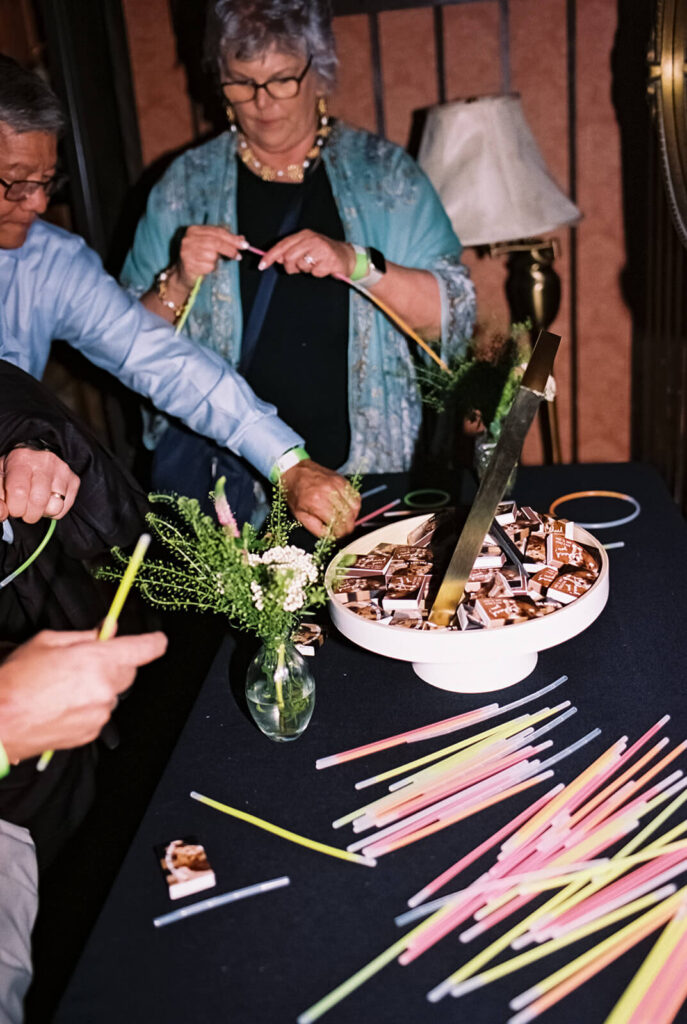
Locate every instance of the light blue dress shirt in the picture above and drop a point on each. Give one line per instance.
(54, 286)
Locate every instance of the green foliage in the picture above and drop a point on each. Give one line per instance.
(485, 379)
(260, 582)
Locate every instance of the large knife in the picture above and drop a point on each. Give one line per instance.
(494, 481)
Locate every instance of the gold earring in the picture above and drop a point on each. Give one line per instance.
(231, 116)
(322, 110)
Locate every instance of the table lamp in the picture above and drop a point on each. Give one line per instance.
(501, 197)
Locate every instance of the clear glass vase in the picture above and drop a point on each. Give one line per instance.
(280, 691)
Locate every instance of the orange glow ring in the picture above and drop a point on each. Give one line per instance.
(599, 494)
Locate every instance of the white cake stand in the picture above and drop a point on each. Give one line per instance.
(473, 661)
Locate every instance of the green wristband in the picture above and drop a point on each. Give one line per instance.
(362, 263)
(4, 762)
(286, 461)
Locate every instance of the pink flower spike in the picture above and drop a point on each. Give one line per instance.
(225, 516)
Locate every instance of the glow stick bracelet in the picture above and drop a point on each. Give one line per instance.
(220, 901)
(646, 975)
(451, 819)
(565, 798)
(553, 988)
(451, 724)
(377, 511)
(107, 630)
(32, 557)
(474, 855)
(276, 830)
(553, 945)
(188, 306)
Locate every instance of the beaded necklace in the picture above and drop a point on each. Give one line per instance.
(294, 172)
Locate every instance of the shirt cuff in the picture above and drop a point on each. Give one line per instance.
(265, 442)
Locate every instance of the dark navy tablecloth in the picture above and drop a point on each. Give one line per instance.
(268, 958)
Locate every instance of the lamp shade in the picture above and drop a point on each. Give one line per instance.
(487, 168)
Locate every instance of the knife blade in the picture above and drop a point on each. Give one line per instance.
(495, 479)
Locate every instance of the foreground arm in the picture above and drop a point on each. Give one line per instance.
(34, 484)
(58, 690)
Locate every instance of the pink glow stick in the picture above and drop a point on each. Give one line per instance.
(455, 916)
(668, 989)
(378, 512)
(451, 725)
(453, 802)
(567, 796)
(411, 736)
(451, 819)
(475, 854)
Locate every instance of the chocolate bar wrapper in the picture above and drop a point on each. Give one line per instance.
(535, 553)
(370, 611)
(413, 553)
(406, 620)
(490, 560)
(404, 599)
(494, 612)
(362, 589)
(560, 551)
(369, 565)
(422, 534)
(505, 513)
(542, 580)
(479, 579)
(308, 637)
(500, 586)
(570, 585)
(466, 618)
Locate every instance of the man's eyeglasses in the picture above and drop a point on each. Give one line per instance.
(277, 88)
(16, 191)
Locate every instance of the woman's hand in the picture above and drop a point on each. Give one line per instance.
(307, 252)
(201, 247)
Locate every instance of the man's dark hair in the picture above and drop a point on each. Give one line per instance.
(27, 103)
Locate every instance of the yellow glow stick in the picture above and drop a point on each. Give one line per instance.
(188, 306)
(586, 809)
(398, 321)
(634, 993)
(585, 966)
(553, 945)
(110, 621)
(548, 813)
(276, 830)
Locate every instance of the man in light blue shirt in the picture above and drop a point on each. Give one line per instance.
(53, 286)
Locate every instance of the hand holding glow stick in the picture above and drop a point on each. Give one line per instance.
(107, 630)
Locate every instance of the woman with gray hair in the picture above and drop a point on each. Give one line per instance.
(320, 198)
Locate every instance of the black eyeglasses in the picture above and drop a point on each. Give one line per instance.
(16, 191)
(277, 88)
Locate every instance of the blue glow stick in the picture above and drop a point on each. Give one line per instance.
(219, 901)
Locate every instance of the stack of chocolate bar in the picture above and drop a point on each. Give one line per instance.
(530, 565)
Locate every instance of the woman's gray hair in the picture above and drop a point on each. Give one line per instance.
(27, 103)
(244, 29)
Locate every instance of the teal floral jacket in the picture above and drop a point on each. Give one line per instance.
(384, 200)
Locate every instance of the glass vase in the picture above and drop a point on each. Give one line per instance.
(280, 691)
(484, 449)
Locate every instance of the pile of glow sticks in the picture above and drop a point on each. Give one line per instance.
(557, 843)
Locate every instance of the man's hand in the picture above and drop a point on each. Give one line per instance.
(58, 690)
(320, 498)
(35, 484)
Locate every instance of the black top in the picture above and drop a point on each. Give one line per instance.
(300, 363)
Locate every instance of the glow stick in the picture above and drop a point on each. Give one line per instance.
(553, 945)
(646, 975)
(451, 724)
(188, 306)
(451, 819)
(469, 858)
(220, 901)
(667, 994)
(377, 512)
(565, 798)
(276, 830)
(553, 988)
(107, 630)
(374, 490)
(456, 913)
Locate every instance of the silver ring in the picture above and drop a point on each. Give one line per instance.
(56, 494)
(309, 260)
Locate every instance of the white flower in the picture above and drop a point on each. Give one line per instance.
(256, 591)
